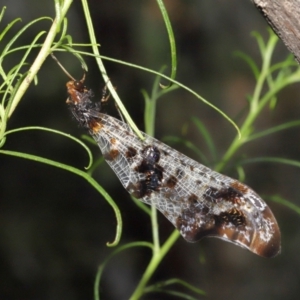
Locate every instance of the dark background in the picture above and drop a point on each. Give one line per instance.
(54, 226)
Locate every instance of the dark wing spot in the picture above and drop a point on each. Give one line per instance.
(239, 186)
(225, 194)
(146, 168)
(111, 155)
(193, 199)
(171, 182)
(113, 141)
(159, 170)
(143, 167)
(131, 152)
(151, 154)
(233, 216)
(94, 125)
(153, 180)
(153, 174)
(146, 186)
(189, 225)
(211, 194)
(138, 190)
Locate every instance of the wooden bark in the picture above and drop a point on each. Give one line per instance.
(284, 18)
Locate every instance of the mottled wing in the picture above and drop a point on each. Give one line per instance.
(198, 201)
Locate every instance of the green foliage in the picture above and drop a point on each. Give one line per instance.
(270, 80)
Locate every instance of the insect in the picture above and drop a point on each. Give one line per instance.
(198, 201)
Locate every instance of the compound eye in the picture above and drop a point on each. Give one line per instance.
(78, 85)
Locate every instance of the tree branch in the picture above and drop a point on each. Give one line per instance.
(284, 18)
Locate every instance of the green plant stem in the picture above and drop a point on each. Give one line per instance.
(83, 174)
(154, 262)
(89, 153)
(158, 252)
(150, 106)
(257, 102)
(267, 56)
(149, 115)
(178, 84)
(107, 260)
(44, 52)
(171, 39)
(253, 114)
(155, 232)
(106, 79)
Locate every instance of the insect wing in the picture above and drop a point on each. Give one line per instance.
(198, 201)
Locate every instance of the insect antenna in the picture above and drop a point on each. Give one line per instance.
(65, 71)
